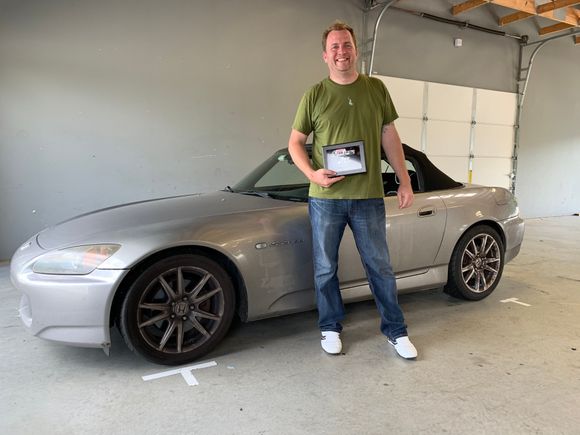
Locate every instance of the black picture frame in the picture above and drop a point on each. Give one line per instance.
(345, 158)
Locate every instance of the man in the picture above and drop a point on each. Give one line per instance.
(347, 107)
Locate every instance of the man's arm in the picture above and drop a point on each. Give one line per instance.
(296, 147)
(394, 150)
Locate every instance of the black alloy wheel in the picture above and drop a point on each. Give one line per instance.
(178, 309)
(476, 264)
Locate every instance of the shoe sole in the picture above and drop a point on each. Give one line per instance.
(331, 353)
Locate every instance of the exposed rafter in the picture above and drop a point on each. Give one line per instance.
(561, 12)
(554, 28)
(528, 6)
(564, 15)
(516, 16)
(566, 18)
(525, 9)
(556, 4)
(468, 5)
(519, 5)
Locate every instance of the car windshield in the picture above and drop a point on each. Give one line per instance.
(278, 177)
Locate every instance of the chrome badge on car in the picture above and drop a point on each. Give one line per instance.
(264, 245)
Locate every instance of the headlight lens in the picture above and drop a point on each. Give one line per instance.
(80, 260)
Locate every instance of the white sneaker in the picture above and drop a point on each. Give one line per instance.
(404, 347)
(330, 342)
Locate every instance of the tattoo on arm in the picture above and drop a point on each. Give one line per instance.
(386, 127)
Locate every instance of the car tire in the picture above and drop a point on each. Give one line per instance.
(477, 264)
(178, 309)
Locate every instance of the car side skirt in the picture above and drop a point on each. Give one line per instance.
(300, 301)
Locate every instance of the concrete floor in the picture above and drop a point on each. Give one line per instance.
(484, 367)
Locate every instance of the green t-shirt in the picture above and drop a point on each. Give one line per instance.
(339, 114)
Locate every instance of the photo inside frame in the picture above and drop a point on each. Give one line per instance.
(345, 159)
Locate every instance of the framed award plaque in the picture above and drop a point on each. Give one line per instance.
(346, 158)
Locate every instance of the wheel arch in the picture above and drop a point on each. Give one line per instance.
(223, 260)
(487, 222)
(490, 223)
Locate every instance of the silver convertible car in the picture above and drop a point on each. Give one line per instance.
(172, 273)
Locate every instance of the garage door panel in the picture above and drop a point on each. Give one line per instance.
(492, 171)
(410, 131)
(451, 103)
(456, 167)
(407, 96)
(493, 141)
(459, 122)
(494, 107)
(446, 138)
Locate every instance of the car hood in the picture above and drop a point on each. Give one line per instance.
(104, 224)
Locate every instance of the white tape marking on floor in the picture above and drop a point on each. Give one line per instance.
(515, 301)
(185, 372)
(189, 378)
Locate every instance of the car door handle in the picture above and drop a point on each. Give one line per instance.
(426, 211)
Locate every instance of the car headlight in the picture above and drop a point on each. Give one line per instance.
(80, 260)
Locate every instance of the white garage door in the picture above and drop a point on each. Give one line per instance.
(468, 133)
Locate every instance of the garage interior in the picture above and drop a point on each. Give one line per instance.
(103, 103)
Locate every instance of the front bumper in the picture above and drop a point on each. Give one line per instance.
(72, 309)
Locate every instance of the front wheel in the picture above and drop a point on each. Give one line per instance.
(178, 309)
(476, 264)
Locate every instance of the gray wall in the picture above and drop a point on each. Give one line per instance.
(120, 100)
(548, 182)
(104, 102)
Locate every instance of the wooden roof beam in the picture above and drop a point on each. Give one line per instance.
(528, 6)
(524, 8)
(555, 28)
(556, 4)
(568, 15)
(466, 6)
(512, 18)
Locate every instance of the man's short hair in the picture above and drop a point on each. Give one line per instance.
(337, 25)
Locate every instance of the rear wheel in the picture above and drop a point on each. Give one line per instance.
(476, 264)
(178, 309)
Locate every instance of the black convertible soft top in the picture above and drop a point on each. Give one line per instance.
(433, 177)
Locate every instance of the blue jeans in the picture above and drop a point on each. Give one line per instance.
(366, 218)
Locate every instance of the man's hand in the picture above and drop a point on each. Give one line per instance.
(296, 147)
(405, 195)
(325, 177)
